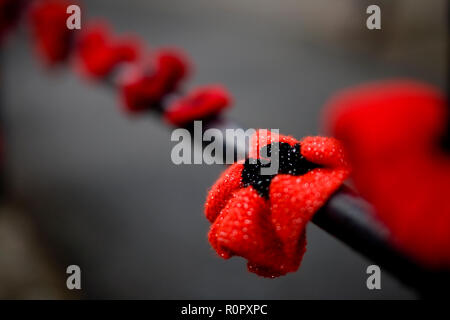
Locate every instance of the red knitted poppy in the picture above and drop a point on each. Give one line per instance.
(52, 37)
(98, 52)
(143, 88)
(263, 218)
(392, 133)
(199, 104)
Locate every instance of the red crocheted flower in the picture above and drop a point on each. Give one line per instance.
(263, 217)
(392, 132)
(99, 52)
(52, 37)
(143, 88)
(200, 104)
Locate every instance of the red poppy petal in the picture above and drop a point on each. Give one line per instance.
(287, 264)
(324, 151)
(295, 199)
(391, 132)
(140, 91)
(201, 103)
(52, 37)
(173, 66)
(98, 52)
(243, 228)
(390, 114)
(144, 86)
(229, 181)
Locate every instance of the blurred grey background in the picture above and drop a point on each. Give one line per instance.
(92, 187)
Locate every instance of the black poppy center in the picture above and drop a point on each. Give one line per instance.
(291, 162)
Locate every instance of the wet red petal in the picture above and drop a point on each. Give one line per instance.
(295, 199)
(173, 66)
(228, 182)
(201, 103)
(244, 229)
(143, 86)
(324, 151)
(98, 52)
